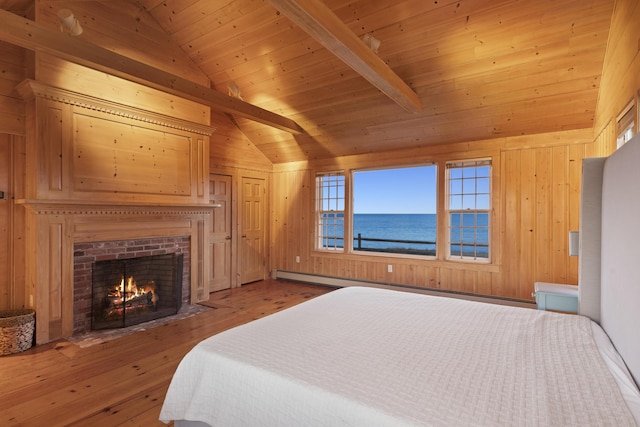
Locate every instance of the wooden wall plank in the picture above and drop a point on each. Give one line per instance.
(543, 214)
(6, 207)
(576, 154)
(512, 233)
(528, 225)
(560, 193)
(621, 69)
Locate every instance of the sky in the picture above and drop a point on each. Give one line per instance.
(404, 190)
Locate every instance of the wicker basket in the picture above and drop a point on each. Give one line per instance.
(16, 330)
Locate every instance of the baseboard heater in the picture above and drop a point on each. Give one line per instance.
(340, 282)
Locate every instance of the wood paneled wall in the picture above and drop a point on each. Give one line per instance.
(536, 184)
(232, 154)
(6, 223)
(232, 149)
(12, 123)
(81, 148)
(620, 80)
(12, 65)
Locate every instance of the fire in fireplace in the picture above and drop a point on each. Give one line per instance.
(126, 292)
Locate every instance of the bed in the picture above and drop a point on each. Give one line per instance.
(362, 356)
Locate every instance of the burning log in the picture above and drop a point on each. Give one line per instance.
(131, 296)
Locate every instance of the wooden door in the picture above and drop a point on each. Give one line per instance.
(252, 258)
(220, 232)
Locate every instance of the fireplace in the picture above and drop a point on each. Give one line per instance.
(126, 292)
(89, 254)
(72, 238)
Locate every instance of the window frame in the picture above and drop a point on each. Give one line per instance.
(320, 225)
(625, 124)
(351, 224)
(448, 210)
(443, 235)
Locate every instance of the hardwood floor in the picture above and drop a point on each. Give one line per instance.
(124, 381)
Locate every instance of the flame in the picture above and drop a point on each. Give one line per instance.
(127, 292)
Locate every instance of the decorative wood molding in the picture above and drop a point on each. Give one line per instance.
(31, 89)
(65, 208)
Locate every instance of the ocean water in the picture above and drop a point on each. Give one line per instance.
(415, 233)
(410, 228)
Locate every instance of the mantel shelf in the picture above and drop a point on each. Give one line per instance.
(116, 205)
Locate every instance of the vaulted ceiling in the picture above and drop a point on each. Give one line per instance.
(478, 69)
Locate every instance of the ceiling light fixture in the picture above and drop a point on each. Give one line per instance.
(234, 90)
(372, 42)
(69, 22)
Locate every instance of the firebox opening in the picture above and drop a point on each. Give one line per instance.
(126, 292)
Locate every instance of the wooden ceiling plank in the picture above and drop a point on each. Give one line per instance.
(30, 35)
(321, 24)
(220, 44)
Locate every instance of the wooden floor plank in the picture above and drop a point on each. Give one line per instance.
(124, 381)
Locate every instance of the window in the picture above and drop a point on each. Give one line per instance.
(330, 210)
(625, 125)
(394, 210)
(468, 208)
(400, 212)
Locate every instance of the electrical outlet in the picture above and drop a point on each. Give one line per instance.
(298, 259)
(389, 268)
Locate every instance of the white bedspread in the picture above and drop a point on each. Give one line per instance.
(371, 357)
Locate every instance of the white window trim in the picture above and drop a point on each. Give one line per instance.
(448, 211)
(320, 238)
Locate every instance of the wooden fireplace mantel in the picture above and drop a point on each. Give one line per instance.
(97, 170)
(54, 228)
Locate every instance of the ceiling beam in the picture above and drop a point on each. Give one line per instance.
(30, 35)
(325, 27)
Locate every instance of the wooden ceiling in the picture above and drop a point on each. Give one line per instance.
(480, 68)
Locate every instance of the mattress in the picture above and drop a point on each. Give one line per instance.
(373, 357)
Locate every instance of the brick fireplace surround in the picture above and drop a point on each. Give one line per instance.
(87, 253)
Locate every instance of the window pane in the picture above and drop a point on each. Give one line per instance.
(330, 215)
(468, 186)
(468, 172)
(469, 219)
(482, 201)
(455, 173)
(482, 219)
(469, 250)
(469, 201)
(455, 203)
(482, 235)
(483, 171)
(469, 229)
(455, 219)
(455, 187)
(394, 210)
(455, 235)
(482, 185)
